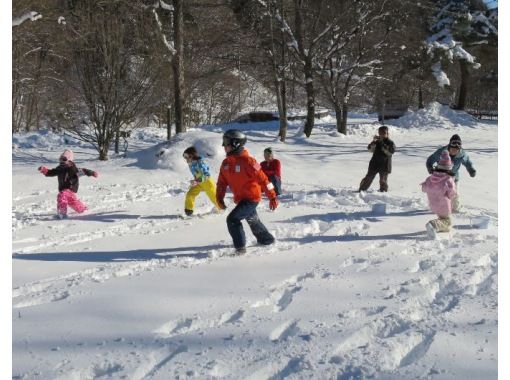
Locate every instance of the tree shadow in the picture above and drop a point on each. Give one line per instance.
(464, 227)
(195, 252)
(109, 217)
(368, 215)
(419, 235)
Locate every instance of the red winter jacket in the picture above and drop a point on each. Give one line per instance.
(272, 167)
(243, 174)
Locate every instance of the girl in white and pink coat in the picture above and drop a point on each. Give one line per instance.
(441, 190)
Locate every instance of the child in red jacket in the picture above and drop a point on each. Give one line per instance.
(68, 183)
(273, 170)
(243, 175)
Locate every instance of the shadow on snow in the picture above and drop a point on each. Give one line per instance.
(195, 252)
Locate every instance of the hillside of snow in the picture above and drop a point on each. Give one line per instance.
(131, 290)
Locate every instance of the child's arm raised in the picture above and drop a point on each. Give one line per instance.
(87, 172)
(49, 172)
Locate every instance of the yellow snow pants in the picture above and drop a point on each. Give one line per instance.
(210, 189)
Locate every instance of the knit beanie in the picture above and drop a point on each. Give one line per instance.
(445, 161)
(455, 141)
(68, 154)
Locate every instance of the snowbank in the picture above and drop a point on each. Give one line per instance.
(44, 139)
(434, 115)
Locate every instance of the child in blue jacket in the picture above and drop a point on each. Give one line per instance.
(201, 181)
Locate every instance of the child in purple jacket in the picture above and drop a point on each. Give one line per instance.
(440, 189)
(68, 183)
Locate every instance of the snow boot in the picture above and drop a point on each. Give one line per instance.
(431, 231)
(188, 212)
(61, 216)
(240, 251)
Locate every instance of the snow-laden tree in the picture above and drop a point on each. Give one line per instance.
(174, 42)
(32, 53)
(111, 70)
(459, 28)
(260, 18)
(352, 52)
(305, 26)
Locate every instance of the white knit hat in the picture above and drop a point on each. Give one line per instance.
(445, 162)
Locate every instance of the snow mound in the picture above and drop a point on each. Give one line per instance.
(44, 139)
(168, 155)
(435, 115)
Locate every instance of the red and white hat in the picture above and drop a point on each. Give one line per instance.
(68, 154)
(445, 162)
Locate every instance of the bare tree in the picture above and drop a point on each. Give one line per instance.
(111, 74)
(175, 47)
(351, 53)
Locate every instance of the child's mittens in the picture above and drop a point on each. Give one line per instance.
(472, 173)
(95, 174)
(193, 182)
(221, 203)
(43, 169)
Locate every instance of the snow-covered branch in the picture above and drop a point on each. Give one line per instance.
(32, 16)
(169, 44)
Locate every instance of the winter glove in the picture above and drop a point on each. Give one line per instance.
(273, 204)
(43, 169)
(95, 174)
(193, 182)
(472, 172)
(221, 204)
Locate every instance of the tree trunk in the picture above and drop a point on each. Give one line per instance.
(420, 97)
(463, 87)
(338, 115)
(103, 152)
(343, 126)
(168, 123)
(310, 97)
(283, 114)
(178, 66)
(117, 138)
(283, 87)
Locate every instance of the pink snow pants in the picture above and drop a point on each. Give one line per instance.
(69, 198)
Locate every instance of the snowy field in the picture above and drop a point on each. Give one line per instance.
(130, 290)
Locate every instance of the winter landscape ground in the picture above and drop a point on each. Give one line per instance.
(130, 290)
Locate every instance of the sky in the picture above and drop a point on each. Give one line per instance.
(491, 3)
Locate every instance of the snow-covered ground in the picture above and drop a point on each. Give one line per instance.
(130, 290)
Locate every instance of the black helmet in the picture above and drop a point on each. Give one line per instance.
(235, 138)
(455, 141)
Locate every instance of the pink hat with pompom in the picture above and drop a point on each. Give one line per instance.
(68, 154)
(445, 162)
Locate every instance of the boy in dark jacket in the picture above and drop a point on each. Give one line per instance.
(68, 183)
(382, 148)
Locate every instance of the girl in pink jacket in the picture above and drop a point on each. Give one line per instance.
(440, 189)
